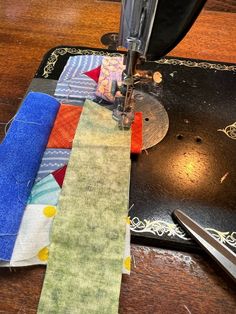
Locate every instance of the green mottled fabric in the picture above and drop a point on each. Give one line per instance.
(85, 263)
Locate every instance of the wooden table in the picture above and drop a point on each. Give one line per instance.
(162, 281)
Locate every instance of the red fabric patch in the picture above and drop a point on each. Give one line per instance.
(94, 74)
(137, 133)
(59, 175)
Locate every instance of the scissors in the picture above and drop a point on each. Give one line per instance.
(218, 251)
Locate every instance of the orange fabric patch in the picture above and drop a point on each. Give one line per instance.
(64, 128)
(137, 133)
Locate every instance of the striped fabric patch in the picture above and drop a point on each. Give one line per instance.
(73, 83)
(52, 160)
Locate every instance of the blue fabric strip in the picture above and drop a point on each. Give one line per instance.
(20, 155)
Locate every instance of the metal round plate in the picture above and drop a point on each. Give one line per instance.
(155, 118)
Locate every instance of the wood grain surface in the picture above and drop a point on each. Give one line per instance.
(161, 281)
(215, 5)
(219, 5)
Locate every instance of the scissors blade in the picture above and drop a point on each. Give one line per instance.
(220, 253)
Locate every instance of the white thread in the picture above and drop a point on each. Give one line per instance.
(131, 207)
(5, 129)
(28, 122)
(13, 119)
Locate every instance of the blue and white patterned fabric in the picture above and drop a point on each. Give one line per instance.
(73, 83)
(53, 159)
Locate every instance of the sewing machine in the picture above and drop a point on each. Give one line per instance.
(188, 108)
(149, 29)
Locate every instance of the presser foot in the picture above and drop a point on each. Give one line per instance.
(123, 115)
(124, 118)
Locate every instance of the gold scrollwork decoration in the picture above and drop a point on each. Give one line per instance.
(160, 228)
(223, 237)
(52, 60)
(230, 131)
(198, 64)
(157, 227)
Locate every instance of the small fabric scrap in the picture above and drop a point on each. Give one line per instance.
(31, 246)
(63, 131)
(86, 255)
(20, 154)
(46, 191)
(111, 72)
(137, 133)
(94, 74)
(53, 159)
(74, 83)
(59, 175)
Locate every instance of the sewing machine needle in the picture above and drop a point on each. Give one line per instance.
(221, 254)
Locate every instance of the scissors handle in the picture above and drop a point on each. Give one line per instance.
(220, 253)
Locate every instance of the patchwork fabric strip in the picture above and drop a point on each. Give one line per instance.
(52, 160)
(31, 246)
(63, 131)
(20, 154)
(86, 255)
(46, 191)
(74, 83)
(64, 128)
(111, 72)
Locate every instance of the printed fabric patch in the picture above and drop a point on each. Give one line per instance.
(111, 73)
(63, 131)
(53, 159)
(46, 191)
(32, 243)
(75, 82)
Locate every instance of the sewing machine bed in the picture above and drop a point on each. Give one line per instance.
(194, 167)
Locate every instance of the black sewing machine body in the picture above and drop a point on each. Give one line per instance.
(192, 166)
